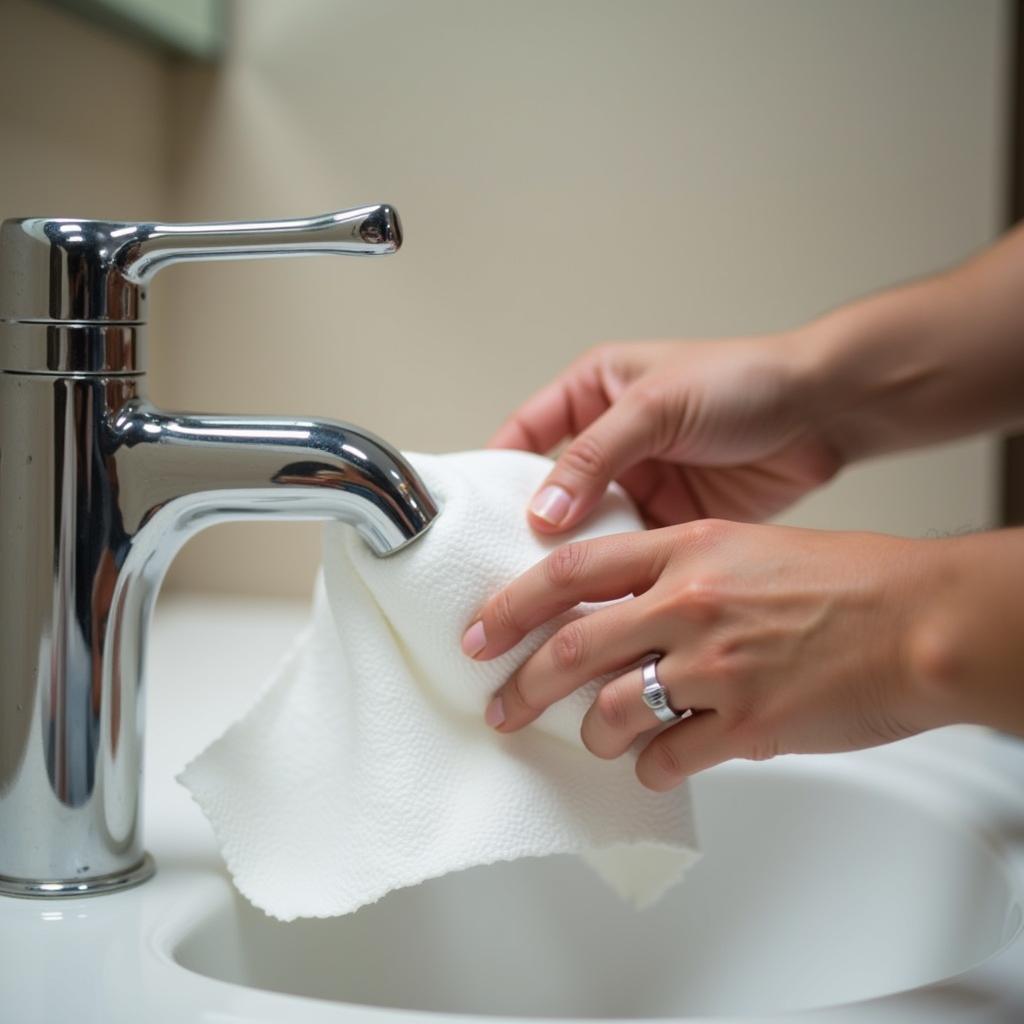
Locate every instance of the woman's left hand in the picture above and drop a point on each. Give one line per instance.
(781, 641)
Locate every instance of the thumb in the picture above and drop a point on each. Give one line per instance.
(617, 440)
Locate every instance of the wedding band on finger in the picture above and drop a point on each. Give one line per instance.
(655, 696)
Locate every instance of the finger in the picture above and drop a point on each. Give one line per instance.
(566, 406)
(619, 715)
(582, 650)
(594, 570)
(684, 749)
(618, 439)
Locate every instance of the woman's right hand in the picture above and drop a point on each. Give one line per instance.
(692, 430)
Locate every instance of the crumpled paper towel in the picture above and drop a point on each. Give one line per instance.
(366, 765)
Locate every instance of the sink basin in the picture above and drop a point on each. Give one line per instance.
(882, 887)
(816, 889)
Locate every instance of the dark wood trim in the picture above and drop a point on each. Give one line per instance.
(1012, 498)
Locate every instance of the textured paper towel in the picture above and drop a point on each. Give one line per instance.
(366, 765)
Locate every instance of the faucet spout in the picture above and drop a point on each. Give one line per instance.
(185, 471)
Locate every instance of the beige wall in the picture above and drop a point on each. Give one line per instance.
(83, 118)
(567, 171)
(83, 122)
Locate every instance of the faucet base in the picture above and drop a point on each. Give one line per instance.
(31, 888)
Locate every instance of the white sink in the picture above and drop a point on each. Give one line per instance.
(817, 888)
(882, 886)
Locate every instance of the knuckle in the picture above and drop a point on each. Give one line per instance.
(720, 663)
(660, 414)
(664, 760)
(565, 565)
(612, 357)
(602, 353)
(706, 533)
(568, 647)
(648, 396)
(612, 708)
(700, 600)
(586, 457)
(520, 696)
(504, 614)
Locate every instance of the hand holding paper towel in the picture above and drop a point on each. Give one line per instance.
(366, 765)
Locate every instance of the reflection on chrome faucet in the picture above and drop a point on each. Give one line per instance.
(99, 490)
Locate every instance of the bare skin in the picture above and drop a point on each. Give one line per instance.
(782, 640)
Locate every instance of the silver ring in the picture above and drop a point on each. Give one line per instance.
(655, 696)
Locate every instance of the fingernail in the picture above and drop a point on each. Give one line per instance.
(474, 640)
(495, 713)
(551, 504)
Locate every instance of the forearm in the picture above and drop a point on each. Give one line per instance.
(927, 362)
(966, 646)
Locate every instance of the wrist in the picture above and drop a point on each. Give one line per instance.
(801, 359)
(965, 641)
(935, 651)
(869, 370)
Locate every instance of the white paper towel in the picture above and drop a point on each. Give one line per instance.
(366, 765)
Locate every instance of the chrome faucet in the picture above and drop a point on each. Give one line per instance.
(99, 490)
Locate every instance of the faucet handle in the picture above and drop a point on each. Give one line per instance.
(66, 269)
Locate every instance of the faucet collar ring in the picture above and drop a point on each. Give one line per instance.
(69, 348)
